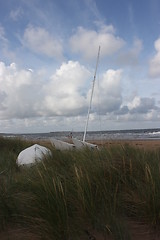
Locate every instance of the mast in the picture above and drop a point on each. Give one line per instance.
(90, 103)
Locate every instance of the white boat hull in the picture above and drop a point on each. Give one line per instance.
(32, 154)
(81, 144)
(60, 145)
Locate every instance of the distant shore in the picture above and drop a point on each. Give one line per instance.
(144, 143)
(152, 143)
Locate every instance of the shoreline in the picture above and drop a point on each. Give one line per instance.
(145, 143)
(142, 143)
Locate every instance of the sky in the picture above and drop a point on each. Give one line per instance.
(48, 52)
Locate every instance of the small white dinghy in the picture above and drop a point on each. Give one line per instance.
(32, 154)
(60, 145)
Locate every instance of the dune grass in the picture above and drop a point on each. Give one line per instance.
(72, 193)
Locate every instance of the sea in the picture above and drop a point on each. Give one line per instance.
(136, 134)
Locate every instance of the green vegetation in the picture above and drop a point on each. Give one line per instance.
(72, 193)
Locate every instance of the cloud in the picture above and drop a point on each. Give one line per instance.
(40, 41)
(141, 105)
(37, 102)
(26, 94)
(16, 14)
(86, 42)
(154, 69)
(131, 56)
(92, 6)
(19, 93)
(65, 93)
(5, 51)
(2, 35)
(108, 96)
(3, 95)
(138, 106)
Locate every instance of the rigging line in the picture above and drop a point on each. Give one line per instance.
(89, 109)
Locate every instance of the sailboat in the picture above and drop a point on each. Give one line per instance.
(78, 143)
(61, 145)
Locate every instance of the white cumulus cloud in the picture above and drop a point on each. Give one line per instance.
(19, 92)
(108, 95)
(31, 100)
(40, 41)
(65, 93)
(86, 42)
(26, 94)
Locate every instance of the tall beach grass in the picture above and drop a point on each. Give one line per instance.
(74, 193)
